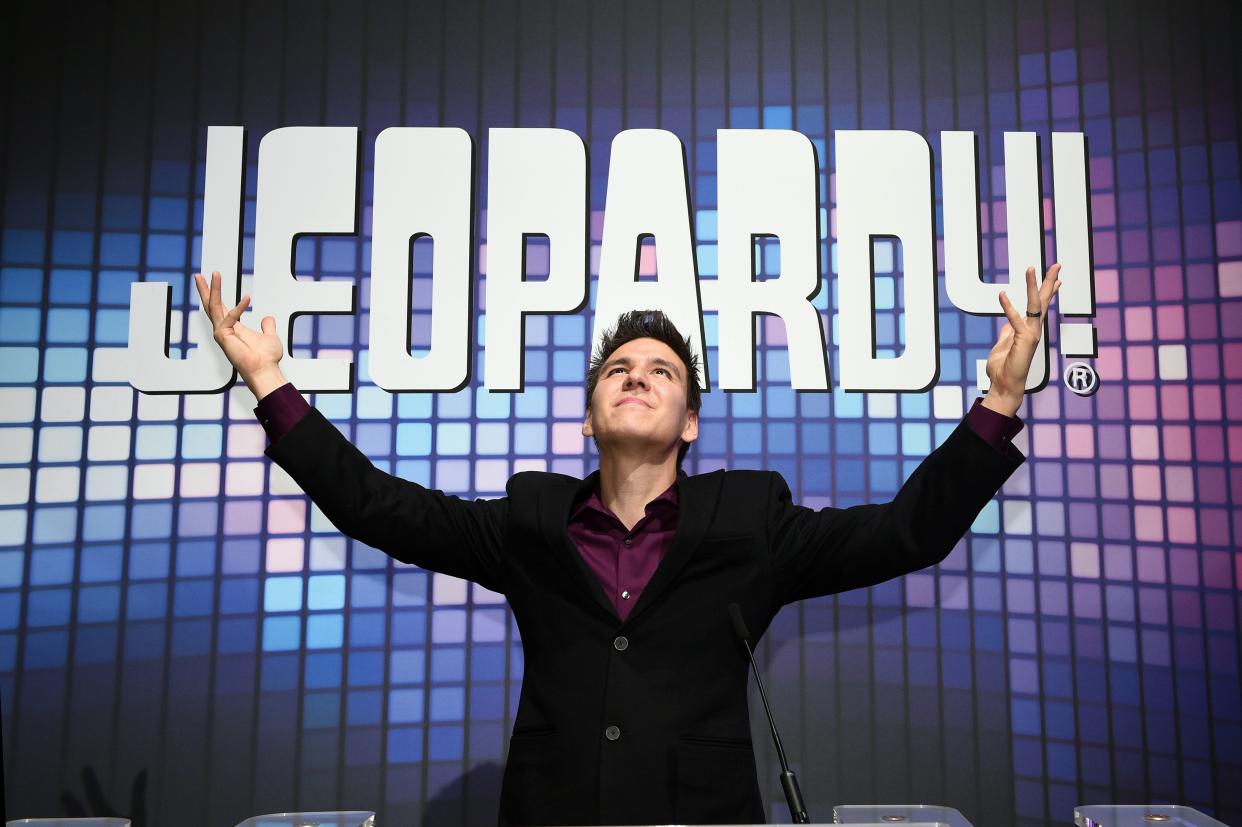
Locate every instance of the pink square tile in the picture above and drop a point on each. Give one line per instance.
(1138, 324)
(1150, 564)
(954, 592)
(1179, 483)
(1047, 440)
(1106, 290)
(1142, 401)
(1235, 443)
(1232, 355)
(1174, 402)
(1108, 324)
(1149, 523)
(1103, 210)
(1207, 403)
(1181, 524)
(1146, 482)
(286, 516)
(920, 590)
(1117, 563)
(1184, 567)
(1230, 275)
(1209, 443)
(1140, 362)
(1085, 560)
(1216, 569)
(1171, 321)
(1114, 482)
(1144, 442)
(1176, 440)
(246, 440)
(1108, 365)
(1080, 441)
(284, 554)
(1229, 238)
(1187, 610)
(1169, 283)
(567, 438)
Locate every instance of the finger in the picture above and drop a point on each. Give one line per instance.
(1032, 292)
(269, 325)
(232, 317)
(217, 298)
(201, 285)
(1004, 341)
(248, 335)
(1012, 314)
(1049, 286)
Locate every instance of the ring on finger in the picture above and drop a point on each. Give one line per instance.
(1034, 314)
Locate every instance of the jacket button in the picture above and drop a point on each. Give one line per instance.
(621, 643)
(612, 733)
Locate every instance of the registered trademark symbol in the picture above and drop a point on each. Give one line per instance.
(1081, 378)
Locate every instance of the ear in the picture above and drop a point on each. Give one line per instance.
(587, 430)
(691, 432)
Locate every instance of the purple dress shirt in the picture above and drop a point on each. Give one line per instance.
(622, 560)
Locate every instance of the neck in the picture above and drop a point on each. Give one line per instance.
(628, 483)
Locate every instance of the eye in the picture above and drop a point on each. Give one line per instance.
(614, 369)
(661, 370)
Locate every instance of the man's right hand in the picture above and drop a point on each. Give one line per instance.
(256, 355)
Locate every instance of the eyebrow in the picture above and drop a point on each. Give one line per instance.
(627, 361)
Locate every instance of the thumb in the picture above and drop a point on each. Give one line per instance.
(269, 325)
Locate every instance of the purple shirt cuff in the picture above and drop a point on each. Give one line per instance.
(994, 428)
(280, 410)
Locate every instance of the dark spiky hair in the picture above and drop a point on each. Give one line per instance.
(648, 324)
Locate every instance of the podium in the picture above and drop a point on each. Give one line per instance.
(344, 818)
(1141, 815)
(907, 815)
(68, 822)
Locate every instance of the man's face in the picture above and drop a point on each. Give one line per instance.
(640, 399)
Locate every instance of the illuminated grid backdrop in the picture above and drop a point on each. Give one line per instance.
(169, 602)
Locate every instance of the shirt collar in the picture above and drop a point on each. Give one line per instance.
(588, 497)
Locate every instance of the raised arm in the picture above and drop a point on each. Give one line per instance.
(834, 549)
(428, 528)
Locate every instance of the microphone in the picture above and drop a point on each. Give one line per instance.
(789, 781)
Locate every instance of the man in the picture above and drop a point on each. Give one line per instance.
(633, 706)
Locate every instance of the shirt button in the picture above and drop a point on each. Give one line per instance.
(628, 541)
(612, 733)
(621, 643)
(625, 595)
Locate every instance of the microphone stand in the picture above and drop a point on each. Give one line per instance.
(789, 781)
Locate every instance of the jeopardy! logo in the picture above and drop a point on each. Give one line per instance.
(768, 188)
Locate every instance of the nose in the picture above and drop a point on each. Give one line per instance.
(635, 378)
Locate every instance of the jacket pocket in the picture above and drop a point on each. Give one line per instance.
(533, 732)
(714, 781)
(531, 763)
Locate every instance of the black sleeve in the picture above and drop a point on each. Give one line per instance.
(428, 528)
(836, 549)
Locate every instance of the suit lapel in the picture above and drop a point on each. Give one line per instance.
(697, 498)
(555, 503)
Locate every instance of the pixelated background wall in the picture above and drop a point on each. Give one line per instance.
(170, 603)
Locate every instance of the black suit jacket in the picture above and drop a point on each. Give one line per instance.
(644, 721)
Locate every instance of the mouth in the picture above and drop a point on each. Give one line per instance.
(632, 400)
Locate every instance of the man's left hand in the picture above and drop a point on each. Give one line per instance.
(1011, 356)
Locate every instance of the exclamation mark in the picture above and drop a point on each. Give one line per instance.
(1072, 221)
